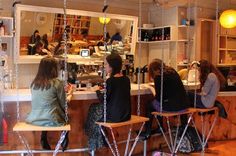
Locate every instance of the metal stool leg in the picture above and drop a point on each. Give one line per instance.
(145, 148)
(93, 153)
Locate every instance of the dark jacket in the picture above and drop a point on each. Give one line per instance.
(174, 94)
(118, 99)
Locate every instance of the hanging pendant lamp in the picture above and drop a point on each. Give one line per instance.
(104, 20)
(228, 19)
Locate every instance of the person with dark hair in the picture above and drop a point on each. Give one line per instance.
(39, 48)
(45, 41)
(48, 99)
(211, 80)
(116, 37)
(117, 101)
(172, 99)
(33, 39)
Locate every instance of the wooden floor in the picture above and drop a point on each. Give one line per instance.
(219, 148)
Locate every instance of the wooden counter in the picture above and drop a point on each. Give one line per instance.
(78, 109)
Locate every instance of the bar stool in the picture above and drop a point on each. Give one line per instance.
(134, 120)
(205, 136)
(172, 143)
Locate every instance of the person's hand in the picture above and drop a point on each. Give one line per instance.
(69, 88)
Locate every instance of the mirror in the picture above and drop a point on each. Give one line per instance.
(85, 31)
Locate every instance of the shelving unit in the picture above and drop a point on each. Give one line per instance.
(179, 50)
(6, 39)
(154, 35)
(77, 25)
(227, 47)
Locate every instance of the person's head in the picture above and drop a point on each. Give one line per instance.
(206, 68)
(113, 64)
(36, 33)
(194, 65)
(154, 68)
(48, 70)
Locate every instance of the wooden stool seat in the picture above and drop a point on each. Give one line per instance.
(134, 120)
(203, 110)
(170, 114)
(23, 126)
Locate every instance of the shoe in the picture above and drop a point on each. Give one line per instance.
(65, 142)
(44, 144)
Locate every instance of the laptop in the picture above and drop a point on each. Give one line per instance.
(193, 76)
(84, 52)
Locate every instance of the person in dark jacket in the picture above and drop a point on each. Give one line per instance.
(174, 97)
(118, 101)
(33, 40)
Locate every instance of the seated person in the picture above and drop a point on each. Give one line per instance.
(48, 99)
(118, 102)
(183, 73)
(45, 41)
(116, 37)
(33, 39)
(211, 80)
(172, 99)
(39, 49)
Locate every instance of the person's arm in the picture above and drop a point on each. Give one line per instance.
(211, 79)
(69, 92)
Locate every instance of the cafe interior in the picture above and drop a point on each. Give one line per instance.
(194, 40)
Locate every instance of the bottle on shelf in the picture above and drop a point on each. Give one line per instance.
(146, 37)
(2, 28)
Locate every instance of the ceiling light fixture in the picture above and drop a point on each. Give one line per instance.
(228, 19)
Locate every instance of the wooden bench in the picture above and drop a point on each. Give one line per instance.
(134, 120)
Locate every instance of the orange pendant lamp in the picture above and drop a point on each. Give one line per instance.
(228, 19)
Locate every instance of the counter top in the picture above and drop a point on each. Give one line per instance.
(25, 95)
(35, 59)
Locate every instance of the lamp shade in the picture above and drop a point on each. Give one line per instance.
(228, 19)
(104, 20)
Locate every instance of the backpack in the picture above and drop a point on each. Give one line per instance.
(190, 142)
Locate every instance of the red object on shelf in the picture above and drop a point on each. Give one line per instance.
(5, 130)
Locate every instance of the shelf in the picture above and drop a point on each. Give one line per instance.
(6, 36)
(165, 41)
(222, 49)
(231, 49)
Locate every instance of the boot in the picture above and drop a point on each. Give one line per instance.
(65, 142)
(44, 141)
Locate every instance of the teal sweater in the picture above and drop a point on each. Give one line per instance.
(48, 106)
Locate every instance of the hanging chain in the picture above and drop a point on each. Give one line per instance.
(65, 59)
(139, 54)
(162, 57)
(17, 79)
(64, 133)
(1, 79)
(104, 70)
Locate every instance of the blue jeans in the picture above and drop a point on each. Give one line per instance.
(199, 103)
